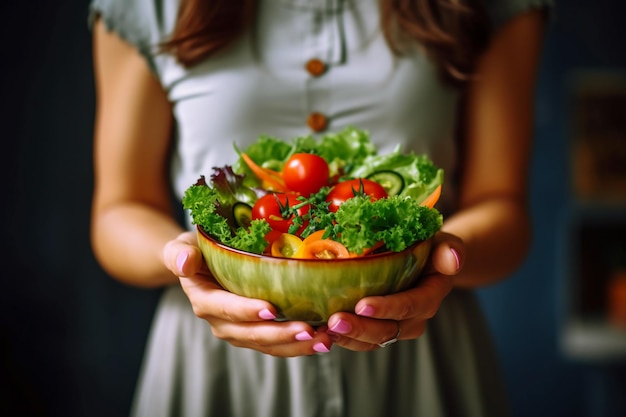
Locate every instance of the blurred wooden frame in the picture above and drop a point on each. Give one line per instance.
(598, 122)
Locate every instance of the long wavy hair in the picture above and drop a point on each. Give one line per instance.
(451, 32)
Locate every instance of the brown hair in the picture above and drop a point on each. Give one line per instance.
(451, 32)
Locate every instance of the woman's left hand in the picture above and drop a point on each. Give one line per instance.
(402, 315)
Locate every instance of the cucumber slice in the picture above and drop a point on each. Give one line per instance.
(242, 213)
(391, 181)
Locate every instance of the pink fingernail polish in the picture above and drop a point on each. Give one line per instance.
(366, 311)
(180, 260)
(456, 258)
(341, 327)
(320, 348)
(303, 336)
(265, 314)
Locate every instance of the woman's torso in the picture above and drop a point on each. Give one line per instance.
(261, 86)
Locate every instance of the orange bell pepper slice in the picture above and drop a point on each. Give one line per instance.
(272, 180)
(324, 249)
(432, 199)
(317, 235)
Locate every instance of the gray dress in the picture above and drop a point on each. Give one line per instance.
(260, 86)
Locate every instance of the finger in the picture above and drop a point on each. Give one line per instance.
(447, 255)
(285, 339)
(421, 302)
(447, 259)
(189, 237)
(182, 255)
(353, 344)
(357, 333)
(360, 334)
(209, 300)
(248, 322)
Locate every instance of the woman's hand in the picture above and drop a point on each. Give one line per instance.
(402, 315)
(241, 321)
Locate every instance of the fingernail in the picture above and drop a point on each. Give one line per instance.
(180, 261)
(456, 258)
(303, 336)
(341, 327)
(366, 311)
(320, 348)
(265, 314)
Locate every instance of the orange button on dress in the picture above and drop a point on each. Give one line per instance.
(317, 121)
(315, 67)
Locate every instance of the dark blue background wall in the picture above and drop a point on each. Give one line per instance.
(527, 311)
(71, 338)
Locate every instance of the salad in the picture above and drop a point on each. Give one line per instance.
(326, 198)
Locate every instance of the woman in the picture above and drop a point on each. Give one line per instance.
(177, 87)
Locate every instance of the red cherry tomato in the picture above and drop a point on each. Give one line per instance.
(270, 237)
(347, 189)
(269, 207)
(305, 173)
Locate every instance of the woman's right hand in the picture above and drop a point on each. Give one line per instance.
(241, 321)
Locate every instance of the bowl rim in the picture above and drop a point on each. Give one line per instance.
(221, 245)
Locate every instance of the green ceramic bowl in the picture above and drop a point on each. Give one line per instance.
(312, 290)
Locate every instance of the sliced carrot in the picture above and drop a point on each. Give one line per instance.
(432, 199)
(271, 178)
(322, 249)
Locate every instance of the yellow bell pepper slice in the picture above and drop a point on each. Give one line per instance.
(286, 245)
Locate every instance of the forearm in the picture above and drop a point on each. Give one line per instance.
(496, 234)
(497, 119)
(128, 241)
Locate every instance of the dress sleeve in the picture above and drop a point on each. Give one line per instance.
(501, 11)
(142, 23)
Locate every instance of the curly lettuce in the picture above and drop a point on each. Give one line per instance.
(211, 208)
(397, 221)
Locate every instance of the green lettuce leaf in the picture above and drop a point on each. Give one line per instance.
(211, 209)
(397, 221)
(421, 176)
(342, 151)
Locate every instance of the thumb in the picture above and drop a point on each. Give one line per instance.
(182, 255)
(448, 254)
